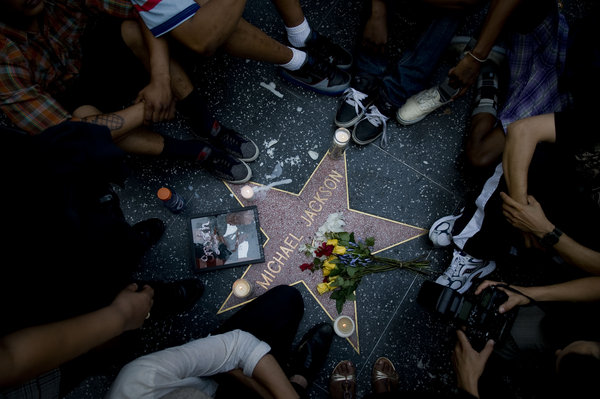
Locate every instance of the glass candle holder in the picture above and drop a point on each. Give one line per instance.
(343, 326)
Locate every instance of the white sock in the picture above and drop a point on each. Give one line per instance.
(298, 58)
(297, 35)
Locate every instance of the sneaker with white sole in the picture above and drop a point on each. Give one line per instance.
(319, 76)
(440, 233)
(370, 127)
(463, 269)
(420, 105)
(352, 108)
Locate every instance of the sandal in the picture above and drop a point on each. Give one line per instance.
(342, 383)
(384, 377)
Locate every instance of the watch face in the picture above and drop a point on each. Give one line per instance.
(551, 238)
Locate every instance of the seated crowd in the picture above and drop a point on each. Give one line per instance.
(84, 81)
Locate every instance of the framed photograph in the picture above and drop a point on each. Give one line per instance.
(226, 239)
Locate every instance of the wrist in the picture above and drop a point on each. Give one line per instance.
(469, 386)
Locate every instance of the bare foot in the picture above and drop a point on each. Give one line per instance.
(384, 377)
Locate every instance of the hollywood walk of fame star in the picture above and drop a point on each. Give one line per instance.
(290, 220)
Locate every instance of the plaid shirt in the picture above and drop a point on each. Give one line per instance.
(34, 66)
(536, 61)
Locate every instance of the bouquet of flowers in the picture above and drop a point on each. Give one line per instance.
(345, 260)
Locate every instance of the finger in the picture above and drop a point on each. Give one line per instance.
(132, 287)
(462, 339)
(487, 349)
(484, 285)
(148, 291)
(509, 200)
(531, 200)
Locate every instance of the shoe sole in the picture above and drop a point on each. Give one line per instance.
(411, 122)
(255, 155)
(445, 219)
(361, 142)
(350, 123)
(244, 180)
(332, 93)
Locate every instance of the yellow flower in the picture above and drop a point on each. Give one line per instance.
(333, 242)
(326, 272)
(328, 264)
(339, 250)
(322, 288)
(331, 279)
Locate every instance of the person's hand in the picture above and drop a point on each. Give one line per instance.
(375, 34)
(514, 299)
(529, 218)
(468, 363)
(159, 104)
(464, 74)
(588, 348)
(133, 305)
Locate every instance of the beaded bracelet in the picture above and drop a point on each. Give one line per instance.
(475, 57)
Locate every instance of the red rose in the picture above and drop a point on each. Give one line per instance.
(324, 250)
(306, 266)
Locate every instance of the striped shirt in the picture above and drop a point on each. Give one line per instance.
(162, 16)
(36, 66)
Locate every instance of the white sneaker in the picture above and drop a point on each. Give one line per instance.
(440, 233)
(419, 106)
(463, 269)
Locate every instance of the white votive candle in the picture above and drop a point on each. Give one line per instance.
(247, 192)
(241, 288)
(343, 326)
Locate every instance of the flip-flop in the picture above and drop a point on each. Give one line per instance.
(377, 375)
(342, 384)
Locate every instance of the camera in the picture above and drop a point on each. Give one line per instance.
(477, 313)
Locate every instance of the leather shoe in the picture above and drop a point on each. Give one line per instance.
(309, 357)
(150, 230)
(175, 297)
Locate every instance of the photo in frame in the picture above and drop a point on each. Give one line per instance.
(226, 239)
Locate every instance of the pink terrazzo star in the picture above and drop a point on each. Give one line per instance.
(290, 220)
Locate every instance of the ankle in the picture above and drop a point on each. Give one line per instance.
(300, 380)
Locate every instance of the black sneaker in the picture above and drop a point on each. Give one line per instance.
(224, 166)
(321, 47)
(233, 143)
(150, 231)
(173, 298)
(356, 100)
(319, 76)
(370, 127)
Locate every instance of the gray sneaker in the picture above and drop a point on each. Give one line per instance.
(320, 76)
(420, 105)
(463, 269)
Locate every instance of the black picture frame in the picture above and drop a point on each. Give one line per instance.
(226, 239)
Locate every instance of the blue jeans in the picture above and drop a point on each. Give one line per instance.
(412, 72)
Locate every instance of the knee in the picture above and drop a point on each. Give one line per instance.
(290, 296)
(482, 157)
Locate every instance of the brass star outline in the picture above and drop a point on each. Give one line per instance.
(274, 208)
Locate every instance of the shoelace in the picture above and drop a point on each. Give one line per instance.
(223, 165)
(428, 99)
(230, 138)
(376, 118)
(354, 98)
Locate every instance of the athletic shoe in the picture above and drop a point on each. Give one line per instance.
(321, 47)
(440, 233)
(319, 76)
(352, 107)
(224, 166)
(370, 127)
(233, 143)
(463, 269)
(420, 105)
(486, 99)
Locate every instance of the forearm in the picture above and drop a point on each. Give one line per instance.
(30, 352)
(158, 56)
(581, 290)
(499, 12)
(270, 375)
(577, 255)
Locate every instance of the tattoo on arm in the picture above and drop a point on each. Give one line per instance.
(112, 121)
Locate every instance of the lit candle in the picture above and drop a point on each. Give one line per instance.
(343, 326)
(341, 138)
(247, 192)
(242, 288)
